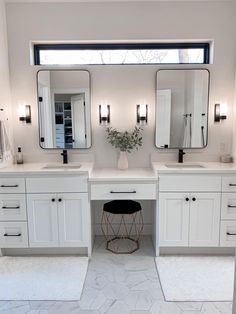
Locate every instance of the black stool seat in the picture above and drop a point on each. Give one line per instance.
(122, 207)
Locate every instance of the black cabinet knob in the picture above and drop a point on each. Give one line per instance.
(187, 199)
(194, 199)
(53, 199)
(59, 200)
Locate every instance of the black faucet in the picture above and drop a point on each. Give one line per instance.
(181, 155)
(65, 156)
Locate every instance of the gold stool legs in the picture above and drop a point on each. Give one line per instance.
(122, 237)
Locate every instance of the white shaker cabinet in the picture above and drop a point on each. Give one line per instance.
(42, 220)
(58, 211)
(189, 219)
(204, 219)
(13, 213)
(228, 212)
(58, 220)
(73, 219)
(174, 219)
(189, 210)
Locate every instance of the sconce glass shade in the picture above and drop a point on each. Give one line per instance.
(104, 114)
(220, 112)
(25, 113)
(142, 114)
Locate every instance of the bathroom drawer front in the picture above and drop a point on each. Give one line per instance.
(191, 183)
(12, 185)
(229, 184)
(57, 184)
(12, 207)
(13, 234)
(123, 191)
(228, 206)
(228, 233)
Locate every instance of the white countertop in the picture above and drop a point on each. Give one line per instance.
(110, 174)
(208, 167)
(113, 174)
(38, 169)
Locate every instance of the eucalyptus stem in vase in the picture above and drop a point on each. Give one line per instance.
(125, 142)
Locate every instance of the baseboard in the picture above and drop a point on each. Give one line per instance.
(196, 251)
(44, 251)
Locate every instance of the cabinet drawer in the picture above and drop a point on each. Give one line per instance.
(229, 184)
(228, 233)
(191, 183)
(57, 184)
(123, 191)
(13, 234)
(228, 206)
(12, 207)
(12, 185)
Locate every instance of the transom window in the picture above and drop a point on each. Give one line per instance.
(139, 53)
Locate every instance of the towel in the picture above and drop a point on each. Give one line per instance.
(187, 131)
(5, 144)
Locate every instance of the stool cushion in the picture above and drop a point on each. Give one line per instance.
(122, 207)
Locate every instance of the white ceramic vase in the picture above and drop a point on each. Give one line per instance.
(123, 161)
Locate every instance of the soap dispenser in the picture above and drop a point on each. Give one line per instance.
(19, 156)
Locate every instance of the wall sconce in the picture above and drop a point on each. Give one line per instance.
(142, 114)
(220, 112)
(25, 113)
(104, 114)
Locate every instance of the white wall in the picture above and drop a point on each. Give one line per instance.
(5, 95)
(122, 86)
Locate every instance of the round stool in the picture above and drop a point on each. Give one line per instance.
(122, 225)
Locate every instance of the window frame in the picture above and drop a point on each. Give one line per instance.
(129, 46)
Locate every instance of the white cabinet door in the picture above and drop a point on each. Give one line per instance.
(42, 220)
(204, 219)
(174, 219)
(72, 215)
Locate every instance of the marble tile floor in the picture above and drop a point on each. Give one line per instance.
(119, 284)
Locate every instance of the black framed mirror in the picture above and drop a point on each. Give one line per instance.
(64, 109)
(182, 100)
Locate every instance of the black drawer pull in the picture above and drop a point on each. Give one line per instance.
(10, 207)
(53, 199)
(59, 200)
(9, 186)
(122, 192)
(232, 206)
(228, 233)
(187, 199)
(232, 184)
(12, 235)
(194, 199)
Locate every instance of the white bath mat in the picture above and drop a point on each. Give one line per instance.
(42, 278)
(197, 278)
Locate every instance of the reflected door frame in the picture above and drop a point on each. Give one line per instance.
(75, 91)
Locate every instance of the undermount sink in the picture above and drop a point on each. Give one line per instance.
(177, 165)
(62, 166)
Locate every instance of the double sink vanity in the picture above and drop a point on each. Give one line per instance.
(50, 205)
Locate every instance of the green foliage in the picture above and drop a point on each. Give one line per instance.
(125, 141)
